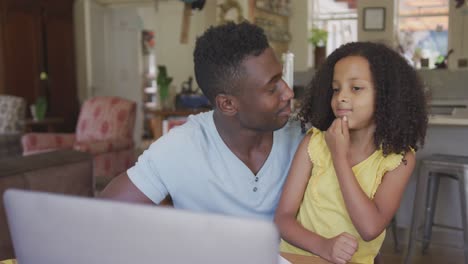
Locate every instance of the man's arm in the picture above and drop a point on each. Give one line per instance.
(122, 189)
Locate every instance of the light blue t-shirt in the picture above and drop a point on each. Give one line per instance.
(193, 164)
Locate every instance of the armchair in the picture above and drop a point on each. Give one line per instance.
(12, 116)
(104, 129)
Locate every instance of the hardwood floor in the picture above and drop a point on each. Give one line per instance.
(436, 254)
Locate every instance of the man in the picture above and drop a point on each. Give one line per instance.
(232, 160)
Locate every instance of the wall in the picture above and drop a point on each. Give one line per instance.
(91, 20)
(386, 36)
(178, 57)
(299, 28)
(100, 48)
(458, 34)
(80, 16)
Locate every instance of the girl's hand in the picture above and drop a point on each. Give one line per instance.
(337, 138)
(339, 249)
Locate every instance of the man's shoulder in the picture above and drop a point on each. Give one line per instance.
(292, 130)
(200, 120)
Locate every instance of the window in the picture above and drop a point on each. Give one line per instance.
(423, 30)
(339, 18)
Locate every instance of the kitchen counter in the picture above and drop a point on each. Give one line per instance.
(451, 112)
(447, 120)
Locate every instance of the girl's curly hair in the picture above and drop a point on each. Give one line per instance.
(400, 102)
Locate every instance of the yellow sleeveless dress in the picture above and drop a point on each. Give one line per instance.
(323, 210)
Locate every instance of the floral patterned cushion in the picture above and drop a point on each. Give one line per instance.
(104, 129)
(103, 118)
(43, 142)
(12, 114)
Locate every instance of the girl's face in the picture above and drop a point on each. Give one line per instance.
(353, 92)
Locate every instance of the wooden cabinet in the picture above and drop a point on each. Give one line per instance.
(21, 48)
(37, 36)
(158, 117)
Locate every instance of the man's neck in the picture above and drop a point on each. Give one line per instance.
(251, 147)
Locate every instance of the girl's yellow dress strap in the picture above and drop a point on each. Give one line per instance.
(8, 261)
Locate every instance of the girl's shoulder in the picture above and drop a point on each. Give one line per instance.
(393, 160)
(317, 146)
(315, 135)
(314, 131)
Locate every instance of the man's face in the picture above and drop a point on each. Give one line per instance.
(264, 97)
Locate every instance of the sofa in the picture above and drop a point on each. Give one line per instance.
(104, 129)
(67, 172)
(12, 116)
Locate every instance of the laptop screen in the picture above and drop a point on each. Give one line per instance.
(52, 228)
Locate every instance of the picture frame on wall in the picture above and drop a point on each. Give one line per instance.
(374, 19)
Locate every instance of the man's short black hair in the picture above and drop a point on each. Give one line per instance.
(219, 53)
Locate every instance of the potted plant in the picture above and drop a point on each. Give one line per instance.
(318, 39)
(164, 82)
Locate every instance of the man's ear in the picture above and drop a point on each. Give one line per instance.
(227, 104)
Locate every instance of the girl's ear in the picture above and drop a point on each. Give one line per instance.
(227, 104)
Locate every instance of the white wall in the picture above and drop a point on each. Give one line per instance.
(90, 21)
(99, 49)
(299, 28)
(458, 34)
(178, 57)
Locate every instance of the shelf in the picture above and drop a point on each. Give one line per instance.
(150, 90)
(177, 112)
(266, 10)
(273, 17)
(157, 117)
(150, 76)
(151, 105)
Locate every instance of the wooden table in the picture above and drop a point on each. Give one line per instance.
(300, 259)
(157, 116)
(49, 123)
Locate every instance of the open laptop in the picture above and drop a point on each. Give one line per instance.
(57, 229)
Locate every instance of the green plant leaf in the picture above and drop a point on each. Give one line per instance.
(318, 37)
(164, 82)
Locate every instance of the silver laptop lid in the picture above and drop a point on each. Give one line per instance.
(57, 229)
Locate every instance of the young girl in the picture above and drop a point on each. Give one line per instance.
(368, 112)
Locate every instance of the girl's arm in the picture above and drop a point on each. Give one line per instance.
(370, 217)
(338, 249)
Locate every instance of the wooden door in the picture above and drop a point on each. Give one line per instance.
(60, 50)
(20, 44)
